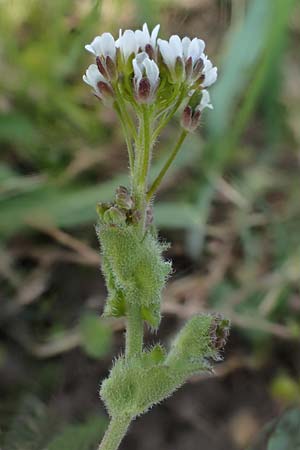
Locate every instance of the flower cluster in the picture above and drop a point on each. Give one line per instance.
(143, 69)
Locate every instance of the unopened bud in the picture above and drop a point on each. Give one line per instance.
(105, 90)
(123, 198)
(101, 208)
(197, 69)
(143, 90)
(150, 51)
(188, 67)
(136, 216)
(190, 119)
(186, 118)
(111, 68)
(101, 67)
(219, 331)
(149, 215)
(191, 114)
(114, 216)
(199, 340)
(179, 68)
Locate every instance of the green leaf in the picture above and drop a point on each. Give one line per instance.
(96, 336)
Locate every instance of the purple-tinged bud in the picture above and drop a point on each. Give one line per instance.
(111, 68)
(195, 119)
(188, 67)
(197, 69)
(149, 215)
(150, 51)
(106, 91)
(123, 198)
(101, 67)
(191, 114)
(219, 331)
(200, 80)
(186, 118)
(179, 68)
(136, 216)
(146, 78)
(143, 90)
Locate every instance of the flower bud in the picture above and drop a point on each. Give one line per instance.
(143, 90)
(106, 91)
(101, 67)
(150, 51)
(186, 118)
(114, 216)
(188, 67)
(179, 69)
(102, 89)
(146, 78)
(191, 114)
(111, 68)
(123, 198)
(101, 208)
(149, 215)
(200, 339)
(219, 331)
(197, 70)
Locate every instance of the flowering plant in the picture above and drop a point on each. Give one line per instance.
(147, 80)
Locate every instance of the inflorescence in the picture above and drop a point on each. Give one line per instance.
(142, 69)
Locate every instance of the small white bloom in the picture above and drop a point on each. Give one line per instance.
(144, 38)
(205, 101)
(93, 77)
(103, 45)
(127, 44)
(210, 73)
(193, 48)
(171, 50)
(146, 76)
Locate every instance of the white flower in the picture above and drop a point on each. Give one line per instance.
(97, 81)
(146, 77)
(171, 50)
(127, 44)
(193, 49)
(143, 37)
(205, 101)
(210, 73)
(191, 54)
(103, 45)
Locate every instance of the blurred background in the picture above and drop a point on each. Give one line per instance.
(230, 207)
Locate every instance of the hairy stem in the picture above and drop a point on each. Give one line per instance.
(142, 164)
(134, 332)
(163, 171)
(115, 433)
(146, 150)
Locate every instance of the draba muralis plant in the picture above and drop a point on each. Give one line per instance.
(147, 80)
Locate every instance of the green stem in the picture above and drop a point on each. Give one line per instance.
(145, 162)
(169, 116)
(124, 110)
(127, 138)
(115, 433)
(163, 171)
(134, 332)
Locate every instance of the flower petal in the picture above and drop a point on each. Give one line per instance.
(95, 46)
